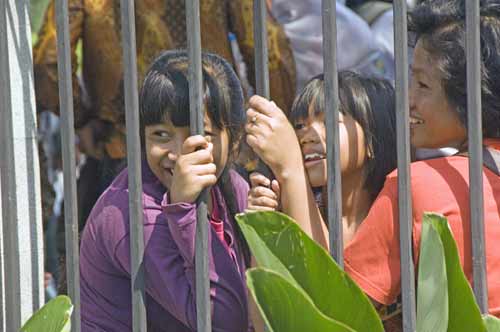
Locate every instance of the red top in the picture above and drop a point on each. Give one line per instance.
(438, 185)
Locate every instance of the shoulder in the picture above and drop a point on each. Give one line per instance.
(109, 219)
(432, 169)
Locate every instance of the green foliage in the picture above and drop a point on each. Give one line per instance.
(279, 244)
(298, 287)
(52, 317)
(464, 314)
(492, 323)
(432, 295)
(288, 308)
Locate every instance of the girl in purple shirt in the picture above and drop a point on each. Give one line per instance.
(175, 169)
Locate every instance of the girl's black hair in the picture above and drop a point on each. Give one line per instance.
(165, 96)
(369, 101)
(440, 25)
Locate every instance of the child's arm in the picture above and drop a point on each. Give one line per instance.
(272, 137)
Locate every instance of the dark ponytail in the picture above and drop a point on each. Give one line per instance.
(227, 189)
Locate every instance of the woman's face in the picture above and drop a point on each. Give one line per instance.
(311, 133)
(433, 121)
(163, 145)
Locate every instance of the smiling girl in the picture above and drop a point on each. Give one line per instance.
(367, 145)
(175, 169)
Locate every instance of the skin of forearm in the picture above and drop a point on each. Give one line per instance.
(295, 190)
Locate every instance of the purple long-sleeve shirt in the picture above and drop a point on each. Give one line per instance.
(169, 235)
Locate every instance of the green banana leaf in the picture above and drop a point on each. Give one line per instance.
(432, 292)
(52, 317)
(492, 323)
(464, 314)
(285, 307)
(278, 244)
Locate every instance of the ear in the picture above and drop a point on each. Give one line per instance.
(369, 152)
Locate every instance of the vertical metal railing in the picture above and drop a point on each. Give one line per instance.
(332, 134)
(69, 163)
(13, 188)
(137, 277)
(261, 55)
(20, 177)
(475, 148)
(196, 112)
(404, 183)
(2, 259)
(261, 49)
(3, 92)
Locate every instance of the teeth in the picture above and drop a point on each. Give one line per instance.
(416, 121)
(312, 156)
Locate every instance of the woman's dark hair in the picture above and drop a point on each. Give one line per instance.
(440, 26)
(165, 96)
(369, 101)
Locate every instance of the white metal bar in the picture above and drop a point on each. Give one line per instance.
(20, 174)
(139, 321)
(476, 154)
(332, 133)
(404, 182)
(203, 308)
(69, 163)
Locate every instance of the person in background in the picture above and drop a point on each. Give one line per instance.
(357, 49)
(176, 167)
(367, 120)
(438, 118)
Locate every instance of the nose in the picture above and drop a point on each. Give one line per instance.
(175, 148)
(308, 135)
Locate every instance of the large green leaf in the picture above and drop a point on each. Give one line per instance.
(52, 317)
(464, 314)
(278, 243)
(432, 296)
(492, 323)
(285, 307)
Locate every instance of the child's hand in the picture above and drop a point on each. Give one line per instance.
(194, 170)
(260, 196)
(272, 137)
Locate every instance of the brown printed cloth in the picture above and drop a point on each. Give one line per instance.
(160, 25)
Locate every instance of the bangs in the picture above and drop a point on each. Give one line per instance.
(313, 94)
(165, 96)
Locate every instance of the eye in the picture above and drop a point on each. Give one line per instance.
(298, 126)
(422, 85)
(161, 134)
(209, 133)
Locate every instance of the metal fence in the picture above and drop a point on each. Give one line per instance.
(21, 253)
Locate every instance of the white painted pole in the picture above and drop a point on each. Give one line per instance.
(19, 164)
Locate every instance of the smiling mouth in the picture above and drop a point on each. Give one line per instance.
(311, 157)
(416, 121)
